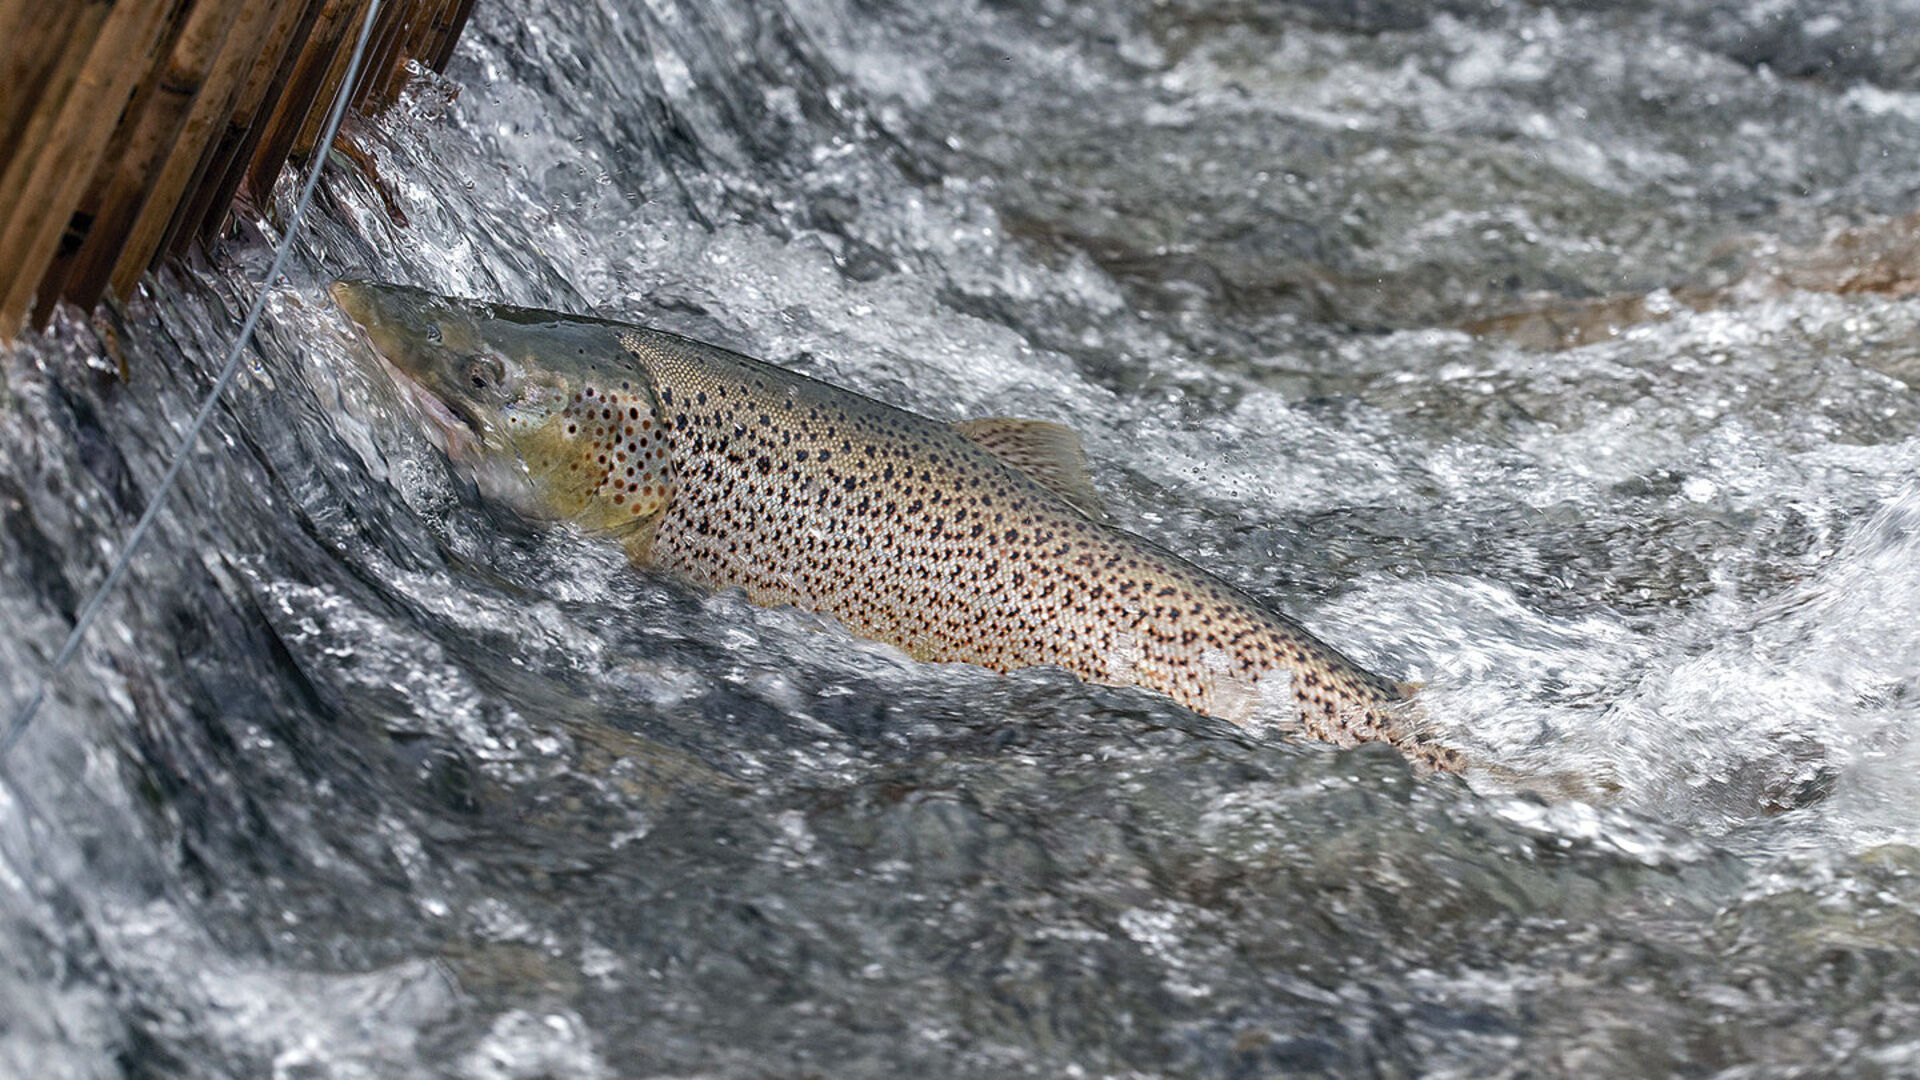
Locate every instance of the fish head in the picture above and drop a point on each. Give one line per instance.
(549, 413)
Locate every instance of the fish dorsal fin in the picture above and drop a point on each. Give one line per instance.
(1048, 453)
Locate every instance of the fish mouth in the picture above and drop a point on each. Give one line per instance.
(459, 432)
(459, 435)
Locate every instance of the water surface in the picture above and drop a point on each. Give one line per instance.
(361, 777)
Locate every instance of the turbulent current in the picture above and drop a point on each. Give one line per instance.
(1557, 354)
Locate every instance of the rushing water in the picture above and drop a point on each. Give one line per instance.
(359, 777)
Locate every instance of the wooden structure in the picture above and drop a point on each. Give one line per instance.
(127, 127)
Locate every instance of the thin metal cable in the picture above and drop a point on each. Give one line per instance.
(119, 569)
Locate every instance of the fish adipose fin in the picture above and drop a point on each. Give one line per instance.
(1048, 453)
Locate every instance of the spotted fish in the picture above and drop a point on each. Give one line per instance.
(981, 542)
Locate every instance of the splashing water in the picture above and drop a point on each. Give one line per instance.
(360, 776)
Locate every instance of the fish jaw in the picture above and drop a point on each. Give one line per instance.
(404, 340)
(453, 435)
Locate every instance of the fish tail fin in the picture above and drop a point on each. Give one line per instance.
(1402, 723)
(1599, 787)
(1407, 728)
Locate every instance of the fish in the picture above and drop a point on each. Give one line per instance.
(981, 541)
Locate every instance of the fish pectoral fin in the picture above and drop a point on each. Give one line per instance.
(1048, 453)
(637, 540)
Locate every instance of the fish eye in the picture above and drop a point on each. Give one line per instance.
(433, 333)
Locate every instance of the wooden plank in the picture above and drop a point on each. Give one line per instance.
(422, 44)
(191, 153)
(53, 282)
(224, 171)
(127, 126)
(137, 171)
(388, 35)
(25, 24)
(436, 19)
(455, 28)
(35, 114)
(333, 84)
(37, 35)
(57, 177)
(304, 88)
(434, 29)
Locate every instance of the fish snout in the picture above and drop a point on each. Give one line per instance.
(352, 298)
(403, 329)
